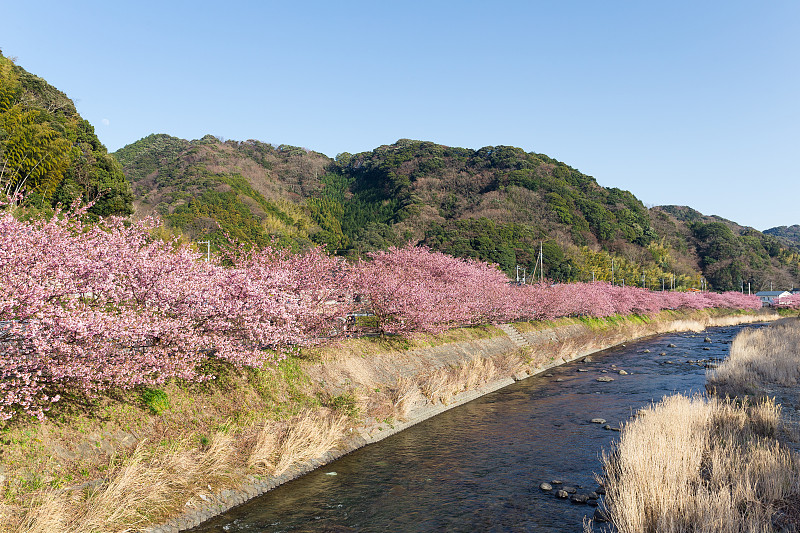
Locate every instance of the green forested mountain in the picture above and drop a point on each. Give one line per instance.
(51, 154)
(210, 189)
(787, 234)
(499, 204)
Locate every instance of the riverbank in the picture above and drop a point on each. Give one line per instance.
(204, 448)
(730, 462)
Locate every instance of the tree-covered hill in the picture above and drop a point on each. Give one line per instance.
(209, 189)
(787, 234)
(496, 203)
(729, 254)
(499, 203)
(49, 153)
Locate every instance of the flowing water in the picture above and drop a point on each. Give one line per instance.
(478, 467)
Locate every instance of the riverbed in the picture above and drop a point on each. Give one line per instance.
(478, 467)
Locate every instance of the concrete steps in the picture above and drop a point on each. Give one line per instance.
(515, 336)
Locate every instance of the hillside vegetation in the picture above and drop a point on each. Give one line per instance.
(787, 234)
(498, 204)
(49, 153)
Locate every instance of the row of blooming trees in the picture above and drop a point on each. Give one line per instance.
(789, 302)
(90, 308)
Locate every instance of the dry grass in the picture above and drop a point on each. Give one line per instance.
(402, 395)
(368, 346)
(693, 464)
(306, 437)
(760, 359)
(144, 487)
(244, 423)
(441, 384)
(210, 438)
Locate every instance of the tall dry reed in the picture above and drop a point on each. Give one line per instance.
(144, 487)
(697, 464)
(759, 359)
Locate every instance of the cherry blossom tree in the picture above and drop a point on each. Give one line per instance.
(88, 308)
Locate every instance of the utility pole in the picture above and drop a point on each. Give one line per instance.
(208, 249)
(541, 263)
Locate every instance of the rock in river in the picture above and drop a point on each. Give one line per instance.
(604, 379)
(598, 421)
(546, 486)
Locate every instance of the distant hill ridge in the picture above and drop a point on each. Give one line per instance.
(496, 203)
(788, 234)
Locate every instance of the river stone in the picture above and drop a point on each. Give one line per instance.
(671, 346)
(548, 375)
(570, 490)
(562, 494)
(645, 351)
(557, 482)
(582, 370)
(604, 379)
(604, 371)
(599, 516)
(560, 379)
(600, 490)
(663, 353)
(707, 339)
(593, 495)
(610, 428)
(598, 421)
(546, 486)
(588, 359)
(592, 503)
(706, 348)
(623, 373)
(579, 498)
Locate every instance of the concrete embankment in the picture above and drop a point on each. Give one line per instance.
(397, 389)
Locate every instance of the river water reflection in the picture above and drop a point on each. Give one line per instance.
(478, 467)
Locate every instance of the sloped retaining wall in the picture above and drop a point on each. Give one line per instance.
(540, 350)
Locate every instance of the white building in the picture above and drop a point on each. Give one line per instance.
(769, 298)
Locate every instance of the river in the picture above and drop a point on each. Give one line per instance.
(478, 467)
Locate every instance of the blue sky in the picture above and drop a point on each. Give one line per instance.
(680, 102)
